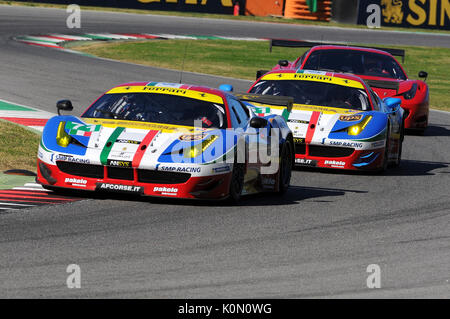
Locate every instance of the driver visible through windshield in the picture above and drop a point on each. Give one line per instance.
(315, 93)
(158, 108)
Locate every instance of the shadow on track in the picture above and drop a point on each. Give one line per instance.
(432, 130)
(407, 168)
(417, 168)
(292, 197)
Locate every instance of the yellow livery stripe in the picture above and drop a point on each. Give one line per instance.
(166, 90)
(165, 128)
(312, 108)
(315, 78)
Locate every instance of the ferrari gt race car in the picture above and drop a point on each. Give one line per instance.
(167, 140)
(337, 120)
(377, 66)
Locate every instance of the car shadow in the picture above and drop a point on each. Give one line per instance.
(432, 130)
(417, 168)
(406, 168)
(294, 195)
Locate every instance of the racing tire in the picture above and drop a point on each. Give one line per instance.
(400, 147)
(236, 183)
(285, 170)
(385, 165)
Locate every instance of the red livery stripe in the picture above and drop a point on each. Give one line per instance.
(140, 152)
(312, 127)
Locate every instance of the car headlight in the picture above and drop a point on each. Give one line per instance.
(62, 138)
(196, 150)
(408, 95)
(358, 128)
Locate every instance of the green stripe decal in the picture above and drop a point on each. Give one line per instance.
(109, 145)
(4, 106)
(285, 114)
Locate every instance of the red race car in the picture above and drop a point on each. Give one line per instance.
(376, 66)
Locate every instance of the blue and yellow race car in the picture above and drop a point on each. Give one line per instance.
(337, 120)
(169, 140)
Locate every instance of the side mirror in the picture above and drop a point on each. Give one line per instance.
(423, 74)
(226, 87)
(283, 63)
(258, 122)
(64, 105)
(392, 103)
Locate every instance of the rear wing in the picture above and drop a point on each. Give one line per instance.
(286, 101)
(310, 44)
(388, 85)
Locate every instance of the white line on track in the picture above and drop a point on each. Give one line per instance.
(9, 208)
(11, 204)
(30, 189)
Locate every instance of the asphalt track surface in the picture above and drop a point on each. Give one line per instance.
(316, 241)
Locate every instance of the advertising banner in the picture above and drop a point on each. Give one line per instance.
(205, 6)
(432, 14)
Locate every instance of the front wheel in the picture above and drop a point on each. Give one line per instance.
(236, 183)
(386, 151)
(400, 148)
(285, 170)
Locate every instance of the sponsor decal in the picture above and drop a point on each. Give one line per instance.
(305, 162)
(40, 155)
(76, 181)
(432, 14)
(334, 163)
(314, 77)
(120, 188)
(298, 121)
(192, 137)
(128, 141)
(81, 129)
(119, 163)
(166, 190)
(299, 140)
(350, 118)
(378, 144)
(179, 169)
(347, 144)
(69, 158)
(222, 169)
(168, 90)
(122, 155)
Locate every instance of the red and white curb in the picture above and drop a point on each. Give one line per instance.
(30, 195)
(57, 41)
(24, 115)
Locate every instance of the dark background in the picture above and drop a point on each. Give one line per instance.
(211, 6)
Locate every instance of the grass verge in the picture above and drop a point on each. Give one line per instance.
(220, 16)
(241, 59)
(18, 147)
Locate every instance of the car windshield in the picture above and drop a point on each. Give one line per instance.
(158, 108)
(315, 93)
(356, 62)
